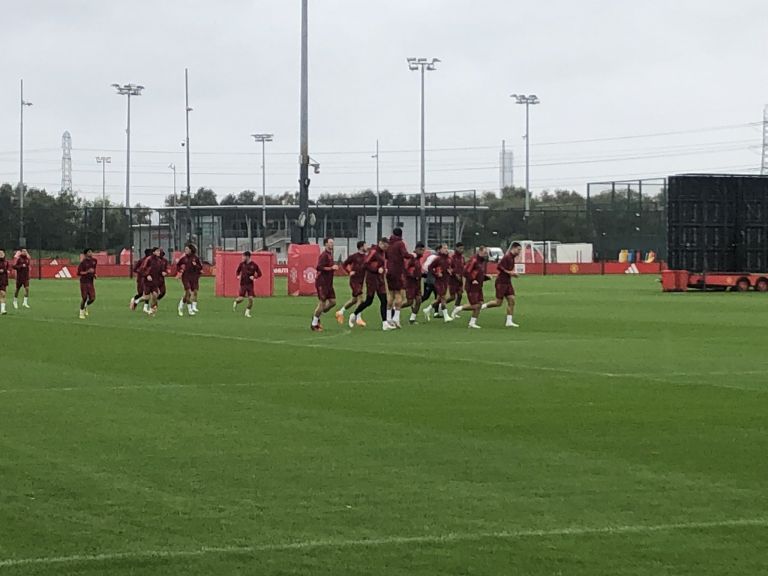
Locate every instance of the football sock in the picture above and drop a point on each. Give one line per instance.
(484, 307)
(472, 321)
(396, 316)
(315, 320)
(413, 317)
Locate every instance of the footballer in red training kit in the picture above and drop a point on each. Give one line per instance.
(152, 270)
(397, 254)
(413, 273)
(456, 278)
(375, 282)
(86, 272)
(474, 273)
(5, 275)
(354, 265)
(22, 267)
(247, 273)
(326, 296)
(140, 281)
(505, 291)
(190, 268)
(440, 268)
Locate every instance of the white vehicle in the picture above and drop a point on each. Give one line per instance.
(495, 254)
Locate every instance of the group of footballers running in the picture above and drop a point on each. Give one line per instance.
(20, 268)
(151, 272)
(389, 272)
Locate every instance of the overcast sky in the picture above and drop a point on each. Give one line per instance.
(688, 76)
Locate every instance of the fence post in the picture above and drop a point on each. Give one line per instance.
(544, 239)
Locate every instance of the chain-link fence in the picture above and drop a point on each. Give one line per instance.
(53, 232)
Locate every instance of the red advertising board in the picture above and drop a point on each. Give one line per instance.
(227, 283)
(302, 269)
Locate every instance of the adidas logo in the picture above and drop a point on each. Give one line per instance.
(63, 273)
(632, 270)
(53, 263)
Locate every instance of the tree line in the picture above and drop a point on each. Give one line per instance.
(67, 222)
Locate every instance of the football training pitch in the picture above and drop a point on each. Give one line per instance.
(619, 431)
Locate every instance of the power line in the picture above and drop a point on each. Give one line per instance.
(452, 149)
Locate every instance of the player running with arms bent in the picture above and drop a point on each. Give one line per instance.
(5, 274)
(22, 266)
(247, 272)
(355, 267)
(375, 284)
(397, 254)
(474, 273)
(504, 289)
(440, 268)
(413, 282)
(324, 284)
(86, 271)
(189, 267)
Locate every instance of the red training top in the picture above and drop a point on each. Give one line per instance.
(508, 263)
(396, 256)
(246, 270)
(325, 269)
(86, 270)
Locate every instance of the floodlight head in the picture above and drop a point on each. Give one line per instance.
(523, 99)
(263, 137)
(128, 89)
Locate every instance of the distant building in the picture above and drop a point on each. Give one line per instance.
(239, 227)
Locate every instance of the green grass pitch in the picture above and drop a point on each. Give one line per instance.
(619, 431)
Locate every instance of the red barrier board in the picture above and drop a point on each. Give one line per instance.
(302, 269)
(586, 268)
(227, 283)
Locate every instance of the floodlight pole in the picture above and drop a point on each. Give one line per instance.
(128, 90)
(304, 122)
(103, 160)
(189, 188)
(378, 195)
(172, 166)
(263, 138)
(22, 104)
(422, 65)
(529, 100)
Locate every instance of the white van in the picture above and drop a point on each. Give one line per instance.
(495, 254)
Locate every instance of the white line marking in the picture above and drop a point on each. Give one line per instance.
(98, 388)
(318, 344)
(378, 542)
